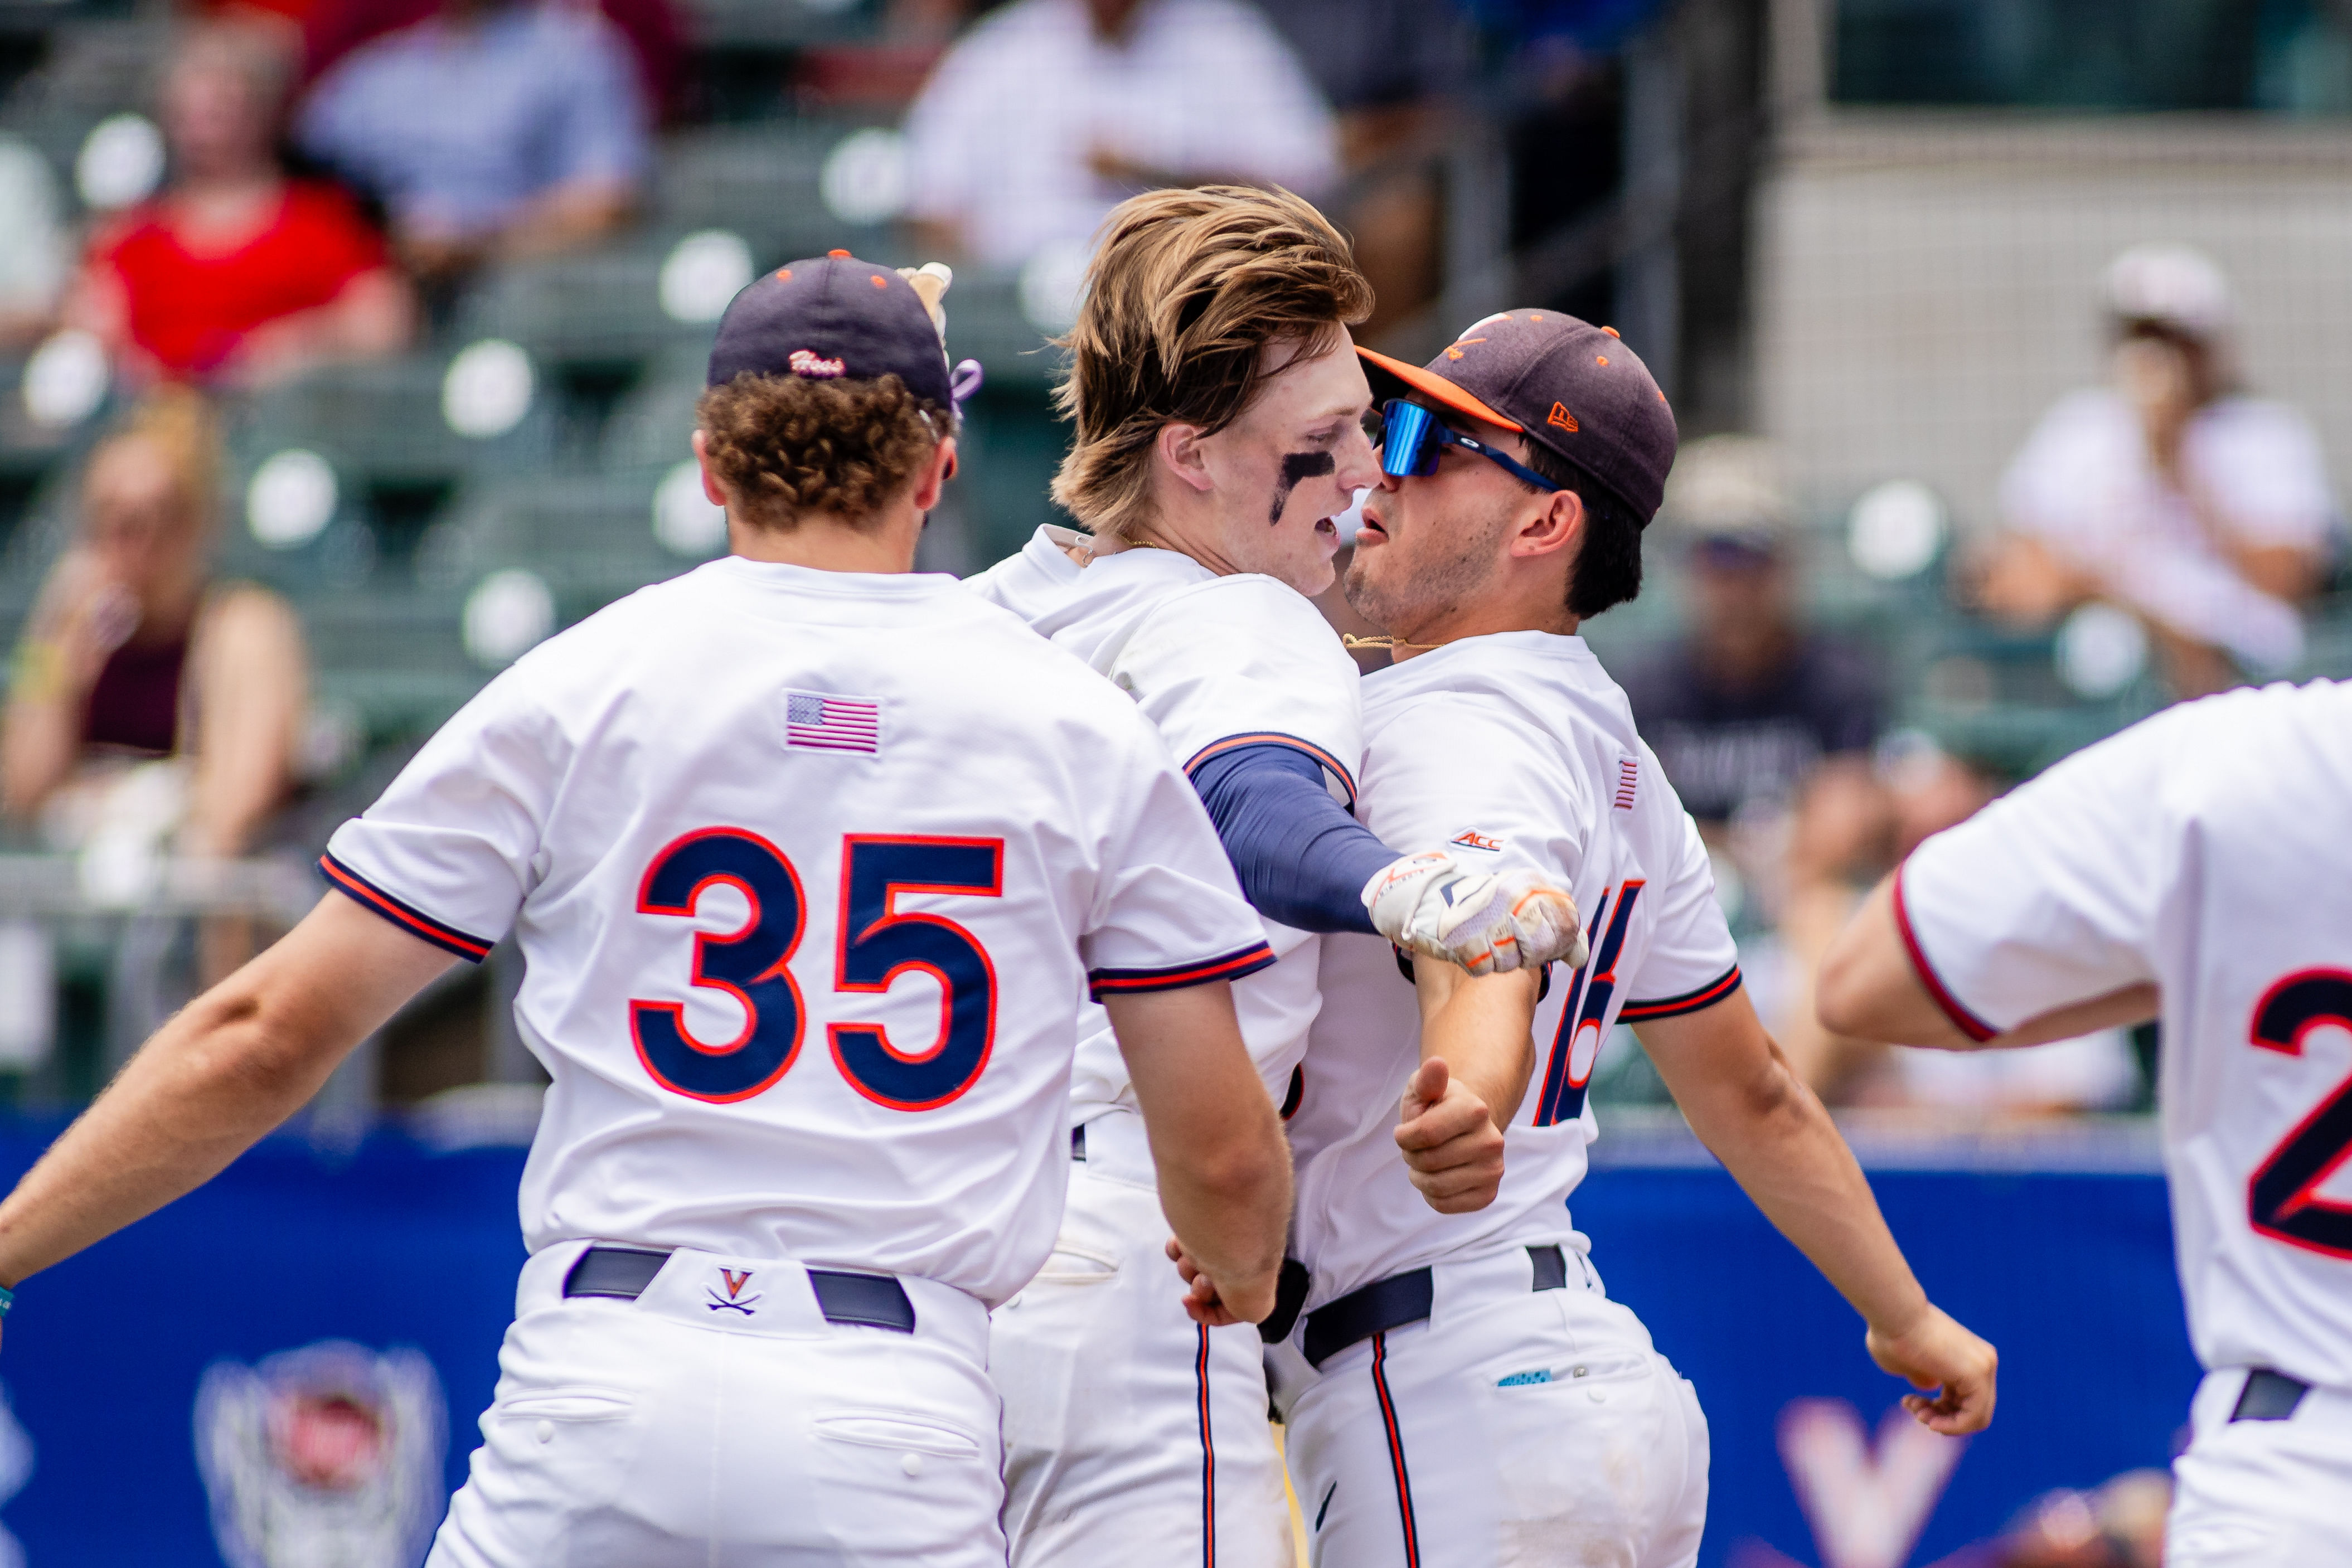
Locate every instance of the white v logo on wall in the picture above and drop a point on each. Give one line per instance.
(325, 1457)
(15, 1470)
(1867, 1503)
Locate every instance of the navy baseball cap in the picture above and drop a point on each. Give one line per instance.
(1565, 384)
(833, 317)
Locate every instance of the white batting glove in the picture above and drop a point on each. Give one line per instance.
(1487, 922)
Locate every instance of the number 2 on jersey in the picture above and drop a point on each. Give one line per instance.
(877, 945)
(2282, 1200)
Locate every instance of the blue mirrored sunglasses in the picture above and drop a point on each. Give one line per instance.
(1410, 437)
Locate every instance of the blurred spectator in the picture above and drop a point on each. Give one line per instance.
(1765, 727)
(235, 272)
(495, 128)
(2120, 1525)
(333, 28)
(2170, 492)
(1389, 69)
(32, 243)
(1050, 112)
(133, 654)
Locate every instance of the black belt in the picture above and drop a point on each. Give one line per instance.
(869, 1300)
(2268, 1397)
(1398, 1299)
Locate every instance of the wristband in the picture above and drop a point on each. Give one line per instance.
(7, 1300)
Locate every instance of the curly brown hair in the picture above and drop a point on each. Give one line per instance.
(1184, 294)
(786, 445)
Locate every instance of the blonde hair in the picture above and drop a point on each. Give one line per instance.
(1186, 291)
(178, 422)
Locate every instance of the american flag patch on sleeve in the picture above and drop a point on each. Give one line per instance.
(819, 721)
(1628, 778)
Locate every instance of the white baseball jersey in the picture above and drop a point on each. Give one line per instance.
(811, 871)
(2207, 850)
(1216, 663)
(1515, 748)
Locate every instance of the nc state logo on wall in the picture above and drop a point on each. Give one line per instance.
(329, 1454)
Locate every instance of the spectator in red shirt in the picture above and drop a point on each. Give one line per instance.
(235, 272)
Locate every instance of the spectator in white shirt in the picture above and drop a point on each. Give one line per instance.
(2170, 492)
(1050, 112)
(32, 243)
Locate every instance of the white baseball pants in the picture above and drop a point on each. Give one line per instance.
(2261, 1494)
(1513, 1427)
(1133, 1436)
(668, 1431)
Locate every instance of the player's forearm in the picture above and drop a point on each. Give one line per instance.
(1481, 1028)
(1300, 857)
(210, 1082)
(1232, 1214)
(1780, 1144)
(1223, 1168)
(237, 1061)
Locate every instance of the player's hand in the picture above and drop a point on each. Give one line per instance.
(1954, 1367)
(1204, 1298)
(1487, 922)
(1453, 1150)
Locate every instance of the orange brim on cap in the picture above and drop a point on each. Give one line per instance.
(1429, 383)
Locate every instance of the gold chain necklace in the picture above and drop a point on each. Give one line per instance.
(1350, 642)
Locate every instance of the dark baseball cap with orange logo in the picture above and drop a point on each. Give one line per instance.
(832, 317)
(1565, 384)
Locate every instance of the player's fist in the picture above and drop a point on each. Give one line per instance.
(1219, 1306)
(1453, 1150)
(1956, 1368)
(1487, 922)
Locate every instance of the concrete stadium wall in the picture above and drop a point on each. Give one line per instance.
(1928, 284)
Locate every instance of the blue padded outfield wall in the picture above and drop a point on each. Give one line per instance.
(388, 1273)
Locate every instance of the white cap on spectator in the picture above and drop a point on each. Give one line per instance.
(2175, 284)
(1727, 489)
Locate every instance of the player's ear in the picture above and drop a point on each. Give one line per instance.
(1554, 522)
(712, 491)
(935, 474)
(1178, 449)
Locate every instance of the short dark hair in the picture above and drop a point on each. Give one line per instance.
(783, 445)
(1608, 569)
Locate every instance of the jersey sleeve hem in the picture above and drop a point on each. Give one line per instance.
(1967, 1022)
(1690, 1002)
(1232, 966)
(1273, 737)
(401, 912)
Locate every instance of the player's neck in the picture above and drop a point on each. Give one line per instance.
(822, 542)
(1484, 618)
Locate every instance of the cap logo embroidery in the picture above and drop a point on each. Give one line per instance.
(808, 362)
(1561, 417)
(1461, 343)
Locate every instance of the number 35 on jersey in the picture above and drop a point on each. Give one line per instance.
(753, 965)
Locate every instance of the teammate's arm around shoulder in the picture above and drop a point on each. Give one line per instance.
(1772, 1134)
(232, 1064)
(1477, 1052)
(1216, 1140)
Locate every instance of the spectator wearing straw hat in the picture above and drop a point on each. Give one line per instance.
(2169, 491)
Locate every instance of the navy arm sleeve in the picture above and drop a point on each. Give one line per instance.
(1301, 859)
